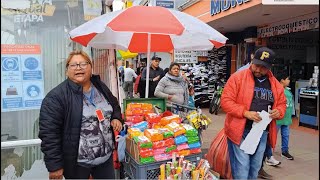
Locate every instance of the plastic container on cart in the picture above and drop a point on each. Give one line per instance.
(135, 170)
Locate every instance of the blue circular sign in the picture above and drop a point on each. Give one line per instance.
(10, 64)
(33, 91)
(31, 63)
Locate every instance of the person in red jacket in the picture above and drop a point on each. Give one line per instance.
(246, 93)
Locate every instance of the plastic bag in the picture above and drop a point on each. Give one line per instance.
(190, 131)
(195, 145)
(180, 139)
(121, 140)
(193, 139)
(218, 155)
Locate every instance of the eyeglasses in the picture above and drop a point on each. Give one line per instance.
(82, 65)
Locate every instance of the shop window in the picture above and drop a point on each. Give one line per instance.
(34, 48)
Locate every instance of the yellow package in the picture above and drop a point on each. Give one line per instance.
(133, 132)
(162, 172)
(153, 134)
(176, 128)
(169, 119)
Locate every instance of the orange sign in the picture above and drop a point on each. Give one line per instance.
(20, 49)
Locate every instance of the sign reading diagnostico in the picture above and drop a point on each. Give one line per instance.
(302, 23)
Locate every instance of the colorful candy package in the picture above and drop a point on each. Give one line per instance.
(147, 160)
(169, 119)
(153, 118)
(176, 128)
(166, 133)
(142, 141)
(190, 131)
(162, 157)
(153, 134)
(146, 153)
(141, 125)
(193, 139)
(182, 146)
(133, 132)
(195, 145)
(180, 139)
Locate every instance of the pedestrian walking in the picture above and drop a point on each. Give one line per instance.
(283, 125)
(270, 160)
(129, 76)
(76, 122)
(246, 93)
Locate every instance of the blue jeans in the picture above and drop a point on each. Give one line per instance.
(268, 152)
(285, 131)
(246, 166)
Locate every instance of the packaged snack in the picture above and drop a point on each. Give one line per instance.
(129, 112)
(180, 139)
(153, 118)
(195, 151)
(170, 148)
(169, 119)
(162, 157)
(133, 132)
(190, 131)
(163, 143)
(134, 119)
(141, 125)
(156, 126)
(162, 172)
(146, 153)
(166, 133)
(153, 135)
(159, 151)
(145, 112)
(173, 151)
(147, 160)
(182, 146)
(185, 152)
(176, 128)
(142, 141)
(195, 145)
(133, 106)
(137, 111)
(193, 139)
(146, 106)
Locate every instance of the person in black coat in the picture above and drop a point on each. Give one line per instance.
(155, 74)
(77, 121)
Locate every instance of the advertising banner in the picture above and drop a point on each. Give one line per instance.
(302, 23)
(22, 86)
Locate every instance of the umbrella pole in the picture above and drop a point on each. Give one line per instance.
(148, 66)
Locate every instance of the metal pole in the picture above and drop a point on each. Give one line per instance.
(148, 66)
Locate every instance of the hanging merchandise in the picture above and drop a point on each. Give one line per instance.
(205, 75)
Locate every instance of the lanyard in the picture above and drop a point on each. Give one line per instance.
(91, 97)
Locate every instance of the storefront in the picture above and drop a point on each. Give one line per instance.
(34, 47)
(241, 21)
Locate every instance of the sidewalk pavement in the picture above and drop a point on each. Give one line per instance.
(303, 144)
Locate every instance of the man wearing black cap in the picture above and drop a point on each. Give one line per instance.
(155, 74)
(246, 93)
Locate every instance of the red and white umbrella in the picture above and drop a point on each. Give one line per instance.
(147, 29)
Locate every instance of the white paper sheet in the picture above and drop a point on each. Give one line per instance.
(250, 143)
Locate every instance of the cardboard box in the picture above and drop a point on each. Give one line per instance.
(132, 149)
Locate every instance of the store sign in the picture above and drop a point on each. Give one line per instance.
(92, 9)
(22, 86)
(302, 23)
(40, 9)
(290, 2)
(218, 6)
(188, 56)
(34, 13)
(290, 43)
(165, 4)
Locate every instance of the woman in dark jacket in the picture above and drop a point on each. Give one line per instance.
(77, 120)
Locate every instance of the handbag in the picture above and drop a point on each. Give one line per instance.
(218, 155)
